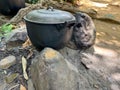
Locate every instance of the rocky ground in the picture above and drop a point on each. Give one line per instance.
(97, 71)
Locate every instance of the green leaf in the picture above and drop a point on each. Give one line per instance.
(6, 28)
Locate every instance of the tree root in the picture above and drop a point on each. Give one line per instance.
(22, 12)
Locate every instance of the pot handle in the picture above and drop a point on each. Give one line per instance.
(69, 24)
(50, 8)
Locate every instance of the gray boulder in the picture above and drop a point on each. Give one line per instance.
(8, 61)
(51, 71)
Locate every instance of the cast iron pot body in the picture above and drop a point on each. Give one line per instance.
(46, 30)
(11, 7)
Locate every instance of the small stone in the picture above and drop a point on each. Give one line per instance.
(21, 35)
(7, 62)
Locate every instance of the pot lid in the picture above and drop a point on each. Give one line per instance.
(49, 16)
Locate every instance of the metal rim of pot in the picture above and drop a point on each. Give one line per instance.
(49, 16)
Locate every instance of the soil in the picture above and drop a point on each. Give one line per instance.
(105, 59)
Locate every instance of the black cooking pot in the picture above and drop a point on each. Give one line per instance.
(11, 7)
(49, 27)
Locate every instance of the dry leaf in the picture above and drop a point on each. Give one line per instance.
(27, 43)
(24, 66)
(22, 87)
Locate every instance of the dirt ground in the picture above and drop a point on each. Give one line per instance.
(105, 60)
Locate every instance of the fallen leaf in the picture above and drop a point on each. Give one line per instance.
(22, 87)
(27, 43)
(24, 66)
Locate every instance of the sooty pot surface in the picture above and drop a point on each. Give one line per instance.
(48, 35)
(49, 28)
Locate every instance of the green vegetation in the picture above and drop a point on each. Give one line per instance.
(6, 28)
(32, 1)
